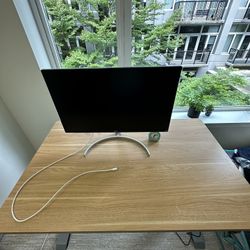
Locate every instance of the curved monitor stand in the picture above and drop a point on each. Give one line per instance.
(116, 137)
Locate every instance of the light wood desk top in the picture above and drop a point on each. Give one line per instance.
(188, 183)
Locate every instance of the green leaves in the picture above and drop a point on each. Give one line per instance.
(101, 33)
(212, 90)
(64, 20)
(79, 59)
(152, 39)
(94, 23)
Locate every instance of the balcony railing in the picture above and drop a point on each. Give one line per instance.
(247, 14)
(239, 56)
(188, 57)
(212, 10)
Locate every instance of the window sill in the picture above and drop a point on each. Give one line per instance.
(218, 117)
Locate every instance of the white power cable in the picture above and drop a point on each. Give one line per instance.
(57, 192)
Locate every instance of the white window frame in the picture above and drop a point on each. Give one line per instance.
(243, 33)
(188, 35)
(124, 32)
(45, 32)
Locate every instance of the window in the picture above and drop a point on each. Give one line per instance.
(210, 29)
(190, 29)
(95, 35)
(237, 35)
(243, 3)
(197, 44)
(202, 42)
(86, 32)
(86, 36)
(228, 43)
(236, 41)
(169, 4)
(238, 28)
(181, 49)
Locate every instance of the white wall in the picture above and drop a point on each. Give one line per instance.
(15, 152)
(22, 87)
(33, 35)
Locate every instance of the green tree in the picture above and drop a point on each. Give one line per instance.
(63, 23)
(96, 25)
(77, 58)
(98, 32)
(152, 40)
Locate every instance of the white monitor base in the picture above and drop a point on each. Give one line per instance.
(116, 137)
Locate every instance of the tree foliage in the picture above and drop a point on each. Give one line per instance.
(95, 23)
(212, 90)
(63, 23)
(152, 40)
(78, 59)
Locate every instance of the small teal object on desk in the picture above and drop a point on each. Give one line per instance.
(154, 136)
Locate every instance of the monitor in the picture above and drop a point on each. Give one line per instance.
(130, 99)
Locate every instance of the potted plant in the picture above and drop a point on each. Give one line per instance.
(195, 109)
(209, 109)
(206, 92)
(190, 94)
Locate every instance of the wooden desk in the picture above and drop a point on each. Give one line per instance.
(187, 184)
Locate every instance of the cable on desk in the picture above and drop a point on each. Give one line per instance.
(57, 192)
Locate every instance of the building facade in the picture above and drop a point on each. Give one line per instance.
(217, 34)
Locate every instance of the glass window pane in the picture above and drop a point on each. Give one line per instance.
(191, 46)
(84, 32)
(210, 43)
(236, 41)
(233, 28)
(238, 28)
(228, 43)
(169, 4)
(241, 27)
(211, 29)
(190, 29)
(242, 50)
(202, 42)
(243, 3)
(180, 50)
(245, 43)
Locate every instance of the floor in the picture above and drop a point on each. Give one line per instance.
(108, 241)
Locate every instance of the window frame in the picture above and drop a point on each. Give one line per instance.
(124, 25)
(234, 34)
(45, 32)
(188, 35)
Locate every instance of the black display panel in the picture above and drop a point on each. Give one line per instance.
(132, 99)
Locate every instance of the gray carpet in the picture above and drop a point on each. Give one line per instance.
(107, 241)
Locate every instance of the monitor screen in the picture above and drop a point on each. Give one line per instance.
(132, 99)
